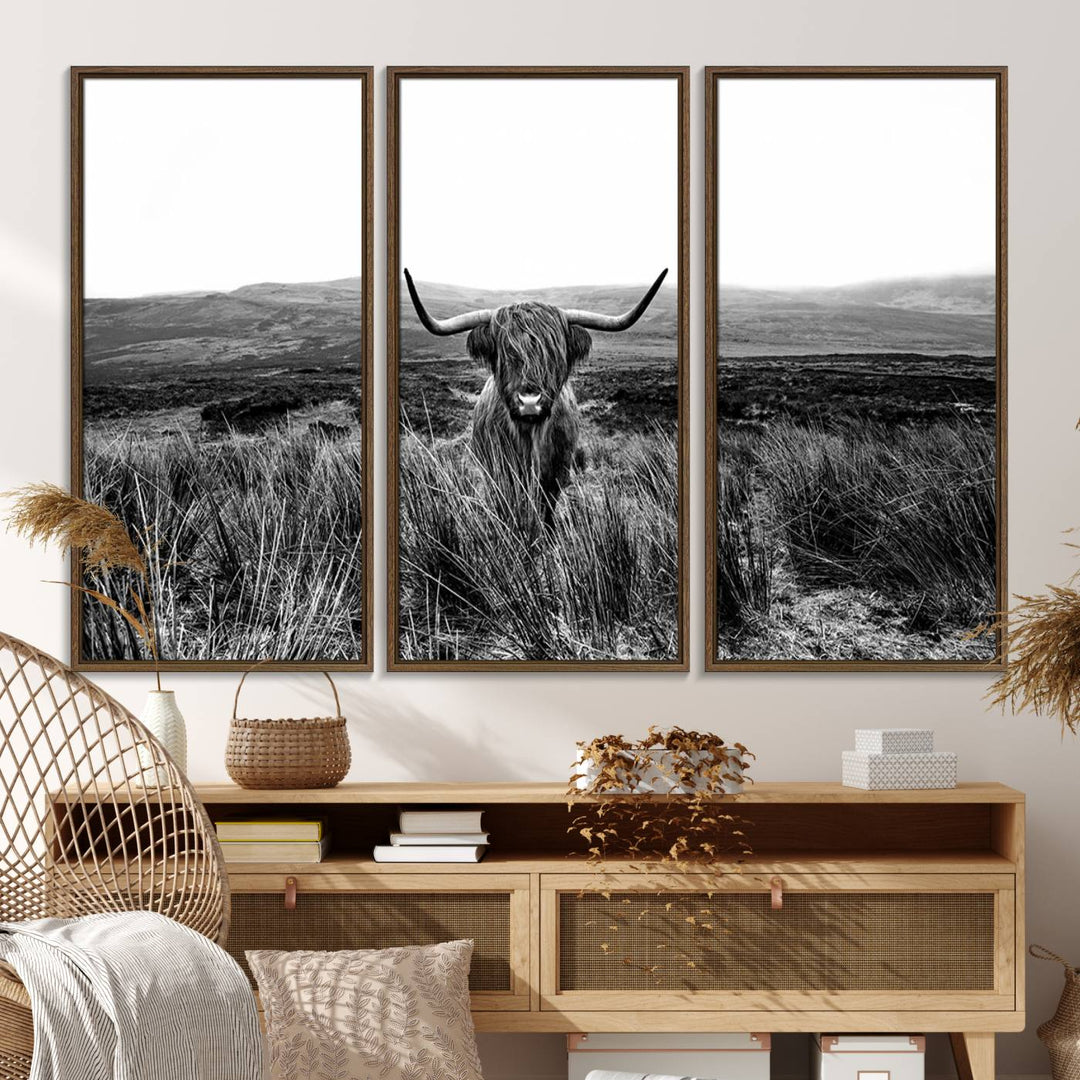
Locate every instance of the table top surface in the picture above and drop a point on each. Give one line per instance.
(484, 792)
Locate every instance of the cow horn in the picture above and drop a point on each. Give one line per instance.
(456, 324)
(592, 320)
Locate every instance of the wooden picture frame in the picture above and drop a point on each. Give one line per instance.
(352, 429)
(678, 659)
(714, 343)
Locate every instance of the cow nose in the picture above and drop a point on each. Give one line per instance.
(529, 404)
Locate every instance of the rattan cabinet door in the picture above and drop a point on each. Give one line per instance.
(851, 942)
(336, 910)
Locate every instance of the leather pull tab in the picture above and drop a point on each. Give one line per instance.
(290, 894)
(776, 889)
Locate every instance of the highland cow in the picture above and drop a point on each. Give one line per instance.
(526, 422)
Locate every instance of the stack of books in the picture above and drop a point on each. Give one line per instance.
(427, 836)
(266, 840)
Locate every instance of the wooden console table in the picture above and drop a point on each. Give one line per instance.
(899, 911)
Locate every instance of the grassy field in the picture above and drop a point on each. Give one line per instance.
(857, 522)
(225, 427)
(257, 542)
(856, 473)
(480, 579)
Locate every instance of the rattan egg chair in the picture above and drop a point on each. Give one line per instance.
(94, 817)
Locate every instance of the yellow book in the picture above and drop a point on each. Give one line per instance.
(271, 829)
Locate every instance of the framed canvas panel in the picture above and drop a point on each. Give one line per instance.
(221, 359)
(537, 296)
(855, 368)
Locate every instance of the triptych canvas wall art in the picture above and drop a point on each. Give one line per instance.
(538, 364)
(221, 357)
(537, 368)
(855, 367)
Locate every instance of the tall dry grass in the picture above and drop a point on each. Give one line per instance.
(907, 513)
(481, 579)
(743, 563)
(256, 543)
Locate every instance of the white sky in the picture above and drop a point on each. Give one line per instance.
(210, 184)
(834, 181)
(519, 183)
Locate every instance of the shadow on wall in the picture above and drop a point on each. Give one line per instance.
(384, 726)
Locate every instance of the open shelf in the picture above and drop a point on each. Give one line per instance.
(530, 824)
(788, 826)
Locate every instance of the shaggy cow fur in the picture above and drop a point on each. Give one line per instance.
(526, 422)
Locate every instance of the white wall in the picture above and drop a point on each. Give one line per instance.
(524, 726)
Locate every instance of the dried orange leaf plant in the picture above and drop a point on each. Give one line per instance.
(613, 789)
(665, 803)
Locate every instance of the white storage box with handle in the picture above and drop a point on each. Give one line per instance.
(867, 1057)
(701, 1055)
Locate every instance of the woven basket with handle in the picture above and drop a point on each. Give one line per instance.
(310, 752)
(1061, 1033)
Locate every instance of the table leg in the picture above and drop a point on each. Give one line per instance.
(973, 1052)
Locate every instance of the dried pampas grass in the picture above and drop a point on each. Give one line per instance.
(47, 514)
(1044, 669)
(1043, 665)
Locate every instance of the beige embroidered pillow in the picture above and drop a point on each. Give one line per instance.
(391, 1014)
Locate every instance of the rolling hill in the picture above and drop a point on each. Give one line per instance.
(281, 343)
(256, 326)
(658, 325)
(307, 324)
(932, 316)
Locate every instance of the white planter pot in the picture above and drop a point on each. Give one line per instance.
(163, 719)
(658, 779)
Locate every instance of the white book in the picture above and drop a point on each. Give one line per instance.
(401, 839)
(270, 851)
(440, 821)
(432, 854)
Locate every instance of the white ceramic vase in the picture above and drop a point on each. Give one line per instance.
(163, 719)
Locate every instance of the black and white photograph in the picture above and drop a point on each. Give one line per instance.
(537, 368)
(856, 367)
(221, 355)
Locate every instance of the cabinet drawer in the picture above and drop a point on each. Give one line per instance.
(858, 942)
(370, 911)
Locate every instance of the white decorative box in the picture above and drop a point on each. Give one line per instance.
(867, 1057)
(898, 772)
(699, 1054)
(897, 740)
